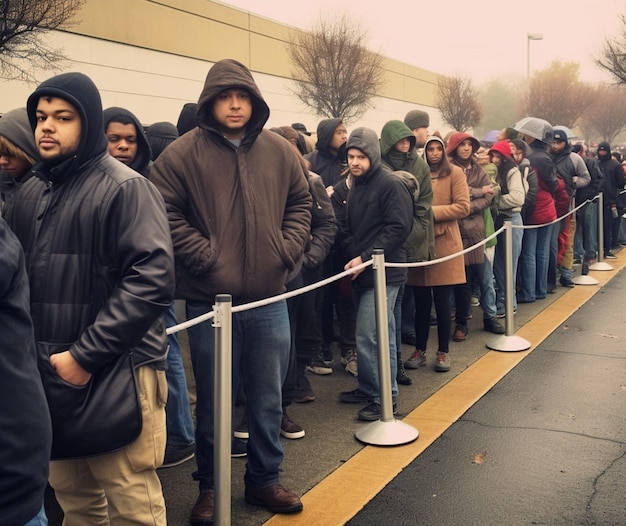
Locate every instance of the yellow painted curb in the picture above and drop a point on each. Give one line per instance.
(365, 474)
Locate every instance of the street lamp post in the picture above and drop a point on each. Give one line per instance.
(530, 36)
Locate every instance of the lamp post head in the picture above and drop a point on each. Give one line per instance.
(535, 36)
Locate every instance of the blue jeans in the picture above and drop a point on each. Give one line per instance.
(586, 238)
(38, 520)
(177, 410)
(366, 342)
(534, 261)
(499, 260)
(260, 352)
(483, 272)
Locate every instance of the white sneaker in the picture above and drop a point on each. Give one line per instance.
(350, 361)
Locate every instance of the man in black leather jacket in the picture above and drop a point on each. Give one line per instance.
(100, 262)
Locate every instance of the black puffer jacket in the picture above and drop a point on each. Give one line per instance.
(98, 248)
(97, 245)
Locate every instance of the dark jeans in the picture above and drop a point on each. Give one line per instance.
(260, 353)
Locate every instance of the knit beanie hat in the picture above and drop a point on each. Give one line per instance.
(417, 119)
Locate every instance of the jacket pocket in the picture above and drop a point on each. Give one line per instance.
(101, 416)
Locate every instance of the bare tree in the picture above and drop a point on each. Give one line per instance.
(557, 95)
(458, 102)
(335, 74)
(607, 114)
(23, 26)
(613, 57)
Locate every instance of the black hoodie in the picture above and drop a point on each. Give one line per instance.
(143, 160)
(325, 163)
(379, 213)
(613, 175)
(80, 91)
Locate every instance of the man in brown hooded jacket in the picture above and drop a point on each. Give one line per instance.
(239, 206)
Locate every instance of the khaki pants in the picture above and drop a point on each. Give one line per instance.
(119, 488)
(568, 256)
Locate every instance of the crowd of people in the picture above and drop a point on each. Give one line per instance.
(104, 224)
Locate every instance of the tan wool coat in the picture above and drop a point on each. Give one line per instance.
(450, 203)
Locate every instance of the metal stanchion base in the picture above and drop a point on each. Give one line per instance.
(600, 265)
(508, 343)
(585, 280)
(387, 433)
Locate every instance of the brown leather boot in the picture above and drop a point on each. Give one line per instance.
(275, 498)
(204, 509)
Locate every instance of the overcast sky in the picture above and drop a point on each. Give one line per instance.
(484, 39)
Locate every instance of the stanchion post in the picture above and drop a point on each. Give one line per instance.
(222, 322)
(387, 431)
(600, 264)
(508, 341)
(509, 289)
(382, 335)
(600, 227)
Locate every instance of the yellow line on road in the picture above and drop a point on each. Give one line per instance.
(342, 494)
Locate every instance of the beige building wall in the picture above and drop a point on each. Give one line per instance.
(152, 58)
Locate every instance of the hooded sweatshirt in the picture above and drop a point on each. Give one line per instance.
(79, 90)
(324, 162)
(239, 215)
(423, 233)
(613, 175)
(143, 160)
(572, 169)
(379, 213)
(15, 127)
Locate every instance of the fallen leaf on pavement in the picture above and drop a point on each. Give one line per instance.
(478, 458)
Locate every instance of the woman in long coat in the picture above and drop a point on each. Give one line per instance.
(434, 282)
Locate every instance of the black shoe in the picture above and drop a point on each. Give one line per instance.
(401, 377)
(493, 325)
(356, 396)
(238, 448)
(610, 255)
(176, 455)
(373, 412)
(567, 283)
